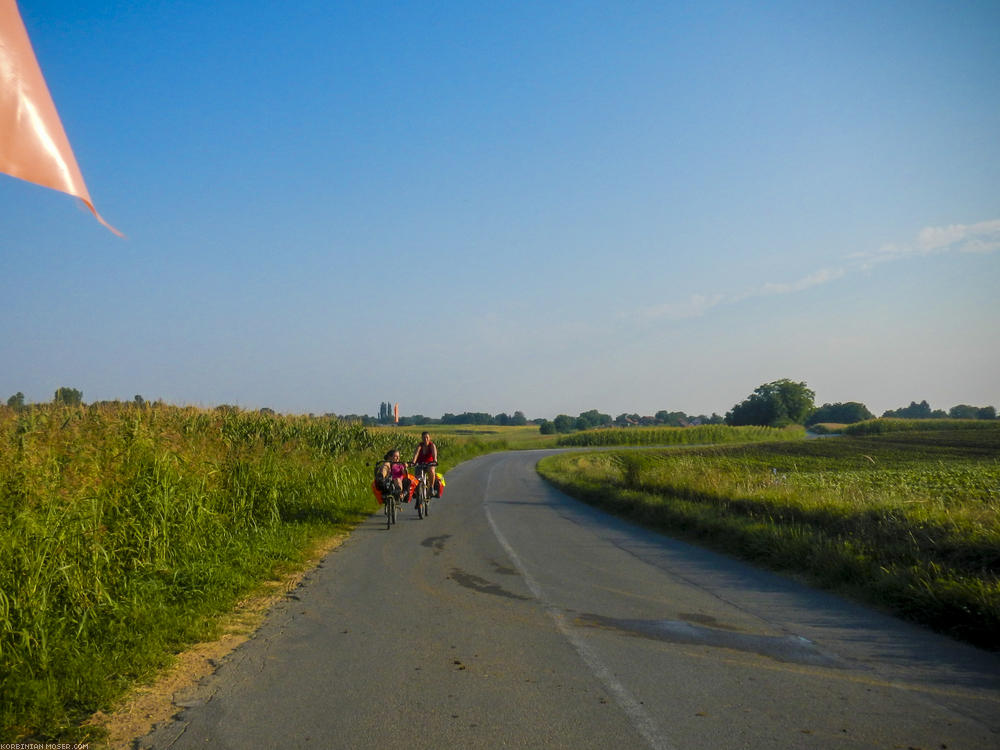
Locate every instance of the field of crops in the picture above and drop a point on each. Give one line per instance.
(926, 426)
(125, 530)
(700, 435)
(502, 437)
(907, 519)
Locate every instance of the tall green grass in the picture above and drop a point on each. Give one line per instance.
(125, 529)
(911, 524)
(701, 435)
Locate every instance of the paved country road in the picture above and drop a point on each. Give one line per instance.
(516, 617)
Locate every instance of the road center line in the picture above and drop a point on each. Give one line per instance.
(641, 720)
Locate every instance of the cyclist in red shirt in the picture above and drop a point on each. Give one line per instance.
(427, 452)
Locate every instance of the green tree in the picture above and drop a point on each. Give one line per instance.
(564, 423)
(963, 411)
(16, 401)
(915, 411)
(68, 397)
(840, 413)
(777, 404)
(518, 419)
(547, 427)
(590, 419)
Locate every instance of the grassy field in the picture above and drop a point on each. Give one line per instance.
(701, 435)
(126, 531)
(905, 518)
(501, 438)
(928, 427)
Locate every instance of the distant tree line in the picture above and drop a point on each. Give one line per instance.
(776, 404)
(593, 419)
(385, 416)
(785, 402)
(63, 397)
(517, 419)
(923, 411)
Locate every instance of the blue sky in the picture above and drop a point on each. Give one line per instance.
(458, 206)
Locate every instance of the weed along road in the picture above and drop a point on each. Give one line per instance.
(516, 617)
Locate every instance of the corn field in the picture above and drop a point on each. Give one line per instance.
(700, 435)
(124, 528)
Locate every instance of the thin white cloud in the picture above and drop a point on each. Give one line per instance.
(983, 237)
(698, 305)
(823, 276)
(693, 307)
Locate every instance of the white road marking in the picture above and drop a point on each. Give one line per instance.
(641, 720)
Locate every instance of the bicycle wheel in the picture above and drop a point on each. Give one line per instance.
(392, 511)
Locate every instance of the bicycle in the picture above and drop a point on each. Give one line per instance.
(391, 498)
(423, 493)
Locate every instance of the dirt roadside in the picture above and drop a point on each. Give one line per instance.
(148, 705)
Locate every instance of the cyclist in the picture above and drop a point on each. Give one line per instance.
(396, 470)
(427, 452)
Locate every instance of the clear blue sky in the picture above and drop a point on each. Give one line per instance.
(551, 207)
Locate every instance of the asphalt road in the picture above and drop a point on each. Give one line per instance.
(516, 617)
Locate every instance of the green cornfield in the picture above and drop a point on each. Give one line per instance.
(925, 426)
(700, 435)
(124, 529)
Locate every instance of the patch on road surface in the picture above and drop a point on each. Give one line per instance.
(482, 585)
(436, 543)
(504, 570)
(786, 648)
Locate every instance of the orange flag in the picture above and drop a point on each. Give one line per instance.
(33, 144)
